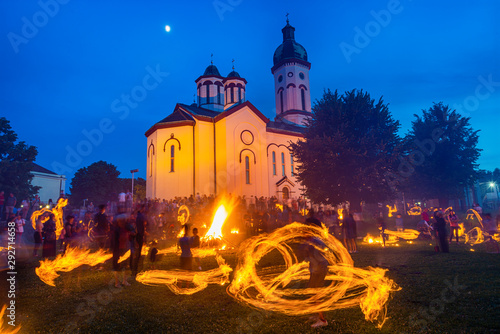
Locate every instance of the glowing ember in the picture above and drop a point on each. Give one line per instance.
(470, 215)
(235, 231)
(415, 211)
(392, 209)
(461, 229)
(3, 330)
(474, 236)
(73, 258)
(271, 288)
(58, 213)
(389, 239)
(199, 280)
(407, 234)
(340, 213)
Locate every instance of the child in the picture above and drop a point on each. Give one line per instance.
(152, 254)
(399, 223)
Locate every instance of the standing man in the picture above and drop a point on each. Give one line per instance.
(140, 223)
(10, 203)
(101, 227)
(440, 228)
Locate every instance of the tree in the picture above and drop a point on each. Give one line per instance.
(139, 187)
(351, 143)
(442, 150)
(98, 183)
(16, 163)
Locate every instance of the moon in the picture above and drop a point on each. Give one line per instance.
(167, 28)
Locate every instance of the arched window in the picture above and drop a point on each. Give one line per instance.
(274, 163)
(150, 156)
(172, 157)
(291, 164)
(286, 193)
(208, 93)
(281, 101)
(218, 94)
(239, 94)
(247, 169)
(232, 94)
(303, 97)
(282, 164)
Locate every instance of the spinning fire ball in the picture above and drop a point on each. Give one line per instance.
(280, 289)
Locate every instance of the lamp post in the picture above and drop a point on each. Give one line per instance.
(133, 171)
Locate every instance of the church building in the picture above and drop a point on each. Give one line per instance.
(224, 144)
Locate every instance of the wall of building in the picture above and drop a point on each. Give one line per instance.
(51, 186)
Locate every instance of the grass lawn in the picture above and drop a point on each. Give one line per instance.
(457, 292)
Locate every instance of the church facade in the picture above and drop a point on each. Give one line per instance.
(224, 144)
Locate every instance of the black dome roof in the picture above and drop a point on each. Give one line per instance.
(212, 70)
(233, 74)
(289, 49)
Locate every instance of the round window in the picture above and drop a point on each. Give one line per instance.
(290, 74)
(301, 75)
(280, 78)
(246, 137)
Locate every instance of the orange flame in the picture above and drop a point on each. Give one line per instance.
(200, 280)
(58, 213)
(3, 330)
(223, 211)
(461, 229)
(270, 288)
(470, 215)
(73, 258)
(392, 209)
(474, 236)
(389, 239)
(415, 211)
(407, 234)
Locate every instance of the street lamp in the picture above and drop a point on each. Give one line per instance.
(133, 171)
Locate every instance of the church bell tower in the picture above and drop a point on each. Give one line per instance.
(291, 79)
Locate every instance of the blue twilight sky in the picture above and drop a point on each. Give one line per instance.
(65, 63)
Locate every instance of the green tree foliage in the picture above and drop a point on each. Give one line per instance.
(350, 144)
(98, 183)
(441, 148)
(16, 162)
(139, 187)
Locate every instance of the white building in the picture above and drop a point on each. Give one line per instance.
(51, 183)
(223, 143)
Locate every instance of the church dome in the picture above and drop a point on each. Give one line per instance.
(233, 74)
(212, 70)
(289, 49)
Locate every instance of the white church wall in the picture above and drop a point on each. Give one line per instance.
(176, 181)
(152, 154)
(204, 148)
(279, 143)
